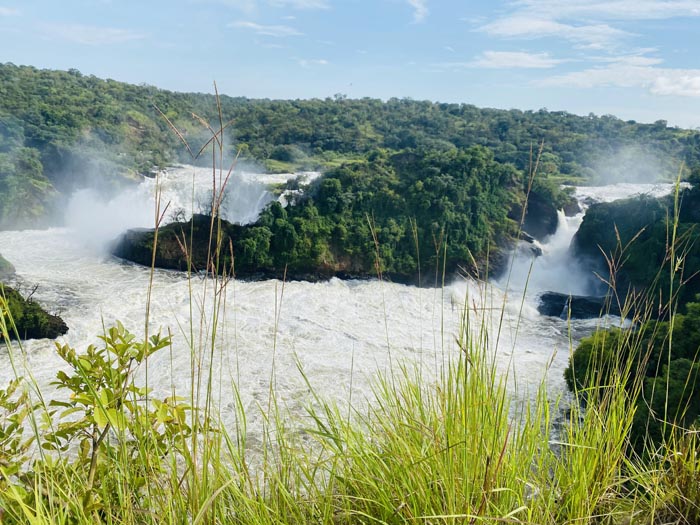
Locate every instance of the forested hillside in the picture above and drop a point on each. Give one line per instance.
(61, 130)
(392, 214)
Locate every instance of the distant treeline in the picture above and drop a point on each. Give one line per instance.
(61, 130)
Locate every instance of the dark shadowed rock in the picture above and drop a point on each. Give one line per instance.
(561, 305)
(30, 320)
(6, 269)
(541, 219)
(572, 208)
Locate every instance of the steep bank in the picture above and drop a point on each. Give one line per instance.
(636, 233)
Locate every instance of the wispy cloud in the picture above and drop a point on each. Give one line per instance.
(8, 11)
(501, 60)
(273, 30)
(587, 23)
(531, 26)
(92, 35)
(420, 9)
(633, 72)
(301, 4)
(613, 9)
(307, 63)
(515, 59)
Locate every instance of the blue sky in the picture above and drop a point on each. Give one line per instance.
(636, 59)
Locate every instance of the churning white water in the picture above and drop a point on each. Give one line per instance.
(340, 332)
(556, 269)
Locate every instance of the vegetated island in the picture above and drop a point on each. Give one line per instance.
(398, 215)
(29, 319)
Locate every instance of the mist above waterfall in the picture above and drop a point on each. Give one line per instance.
(97, 219)
(633, 164)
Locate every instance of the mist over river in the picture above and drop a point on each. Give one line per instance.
(340, 332)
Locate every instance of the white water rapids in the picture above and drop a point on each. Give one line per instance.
(340, 332)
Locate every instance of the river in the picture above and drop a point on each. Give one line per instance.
(341, 333)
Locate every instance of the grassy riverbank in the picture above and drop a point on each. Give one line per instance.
(459, 449)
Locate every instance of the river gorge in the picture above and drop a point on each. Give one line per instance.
(339, 332)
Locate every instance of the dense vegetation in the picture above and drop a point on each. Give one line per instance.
(60, 130)
(27, 317)
(445, 449)
(665, 358)
(632, 237)
(648, 251)
(396, 215)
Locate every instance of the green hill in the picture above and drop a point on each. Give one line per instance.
(61, 130)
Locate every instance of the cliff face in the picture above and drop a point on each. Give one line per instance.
(541, 219)
(642, 228)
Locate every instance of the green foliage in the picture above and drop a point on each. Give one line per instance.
(665, 359)
(15, 407)
(388, 212)
(26, 319)
(635, 234)
(99, 424)
(88, 131)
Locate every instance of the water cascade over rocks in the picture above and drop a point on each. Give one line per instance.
(341, 332)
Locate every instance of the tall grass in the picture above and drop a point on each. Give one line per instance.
(450, 449)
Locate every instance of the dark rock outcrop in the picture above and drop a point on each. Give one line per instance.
(186, 245)
(31, 321)
(6, 269)
(565, 306)
(572, 208)
(541, 218)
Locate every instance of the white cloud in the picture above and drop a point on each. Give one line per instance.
(92, 35)
(420, 10)
(276, 30)
(501, 60)
(530, 26)
(587, 23)
(307, 63)
(633, 72)
(8, 11)
(514, 59)
(613, 9)
(301, 4)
